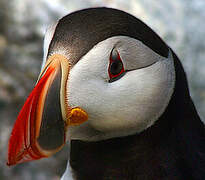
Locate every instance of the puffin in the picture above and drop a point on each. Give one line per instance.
(113, 90)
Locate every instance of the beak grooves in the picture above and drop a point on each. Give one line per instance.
(41, 126)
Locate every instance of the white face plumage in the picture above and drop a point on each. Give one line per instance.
(128, 105)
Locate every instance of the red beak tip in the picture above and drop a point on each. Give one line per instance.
(8, 164)
(11, 163)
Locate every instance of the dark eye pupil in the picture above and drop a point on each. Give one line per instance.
(116, 67)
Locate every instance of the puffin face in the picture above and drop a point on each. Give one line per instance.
(123, 85)
(100, 79)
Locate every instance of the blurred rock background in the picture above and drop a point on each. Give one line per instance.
(22, 26)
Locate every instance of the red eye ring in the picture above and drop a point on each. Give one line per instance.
(116, 68)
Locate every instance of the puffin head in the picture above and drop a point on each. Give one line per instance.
(105, 74)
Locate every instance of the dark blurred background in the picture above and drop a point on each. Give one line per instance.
(22, 26)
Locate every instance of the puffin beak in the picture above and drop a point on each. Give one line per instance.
(41, 126)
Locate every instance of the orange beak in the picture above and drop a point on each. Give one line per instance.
(41, 126)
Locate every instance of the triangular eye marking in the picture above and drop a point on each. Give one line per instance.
(114, 55)
(116, 68)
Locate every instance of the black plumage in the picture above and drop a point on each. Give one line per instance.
(78, 32)
(172, 149)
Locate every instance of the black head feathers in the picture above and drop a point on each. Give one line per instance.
(79, 31)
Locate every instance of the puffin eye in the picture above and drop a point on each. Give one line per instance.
(116, 68)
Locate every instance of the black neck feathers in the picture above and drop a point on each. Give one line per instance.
(172, 149)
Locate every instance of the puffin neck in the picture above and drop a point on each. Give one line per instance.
(142, 153)
(114, 157)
